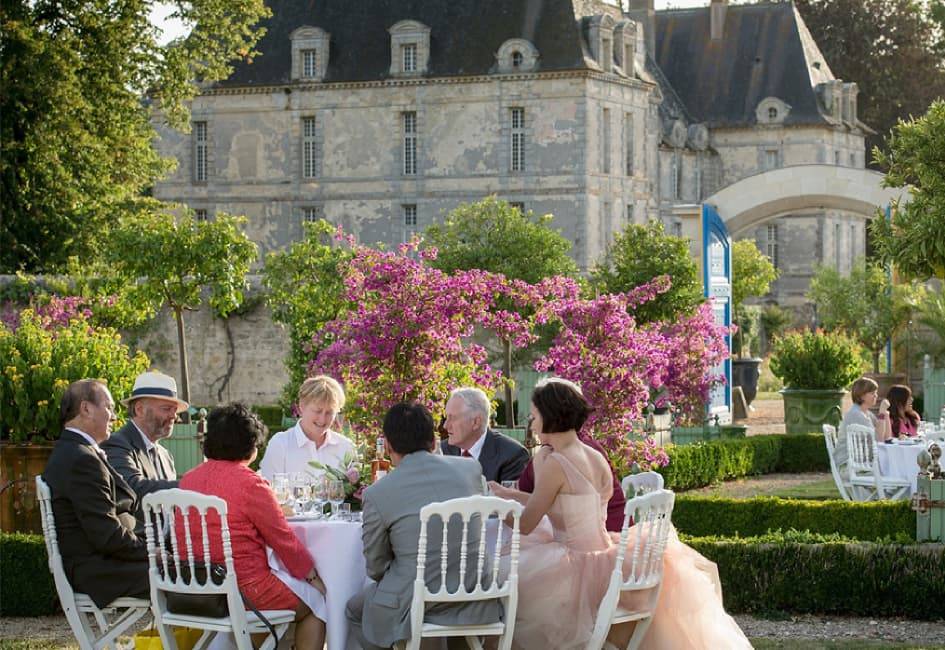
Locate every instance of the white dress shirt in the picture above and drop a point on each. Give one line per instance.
(291, 450)
(476, 449)
(98, 450)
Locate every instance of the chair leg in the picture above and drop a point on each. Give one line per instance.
(474, 642)
(81, 628)
(166, 632)
(639, 631)
(128, 618)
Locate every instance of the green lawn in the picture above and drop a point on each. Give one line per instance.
(845, 644)
(786, 486)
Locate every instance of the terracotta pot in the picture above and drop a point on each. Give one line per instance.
(19, 465)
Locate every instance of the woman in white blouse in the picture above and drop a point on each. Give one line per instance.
(864, 393)
(320, 400)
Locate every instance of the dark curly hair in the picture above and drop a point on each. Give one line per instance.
(233, 432)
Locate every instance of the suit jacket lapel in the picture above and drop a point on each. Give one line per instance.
(134, 438)
(487, 455)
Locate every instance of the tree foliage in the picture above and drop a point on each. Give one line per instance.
(893, 49)
(752, 275)
(865, 304)
(174, 261)
(640, 254)
(305, 291)
(914, 240)
(76, 129)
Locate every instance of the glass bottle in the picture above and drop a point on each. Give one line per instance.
(380, 465)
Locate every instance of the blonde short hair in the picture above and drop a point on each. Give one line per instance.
(862, 387)
(322, 388)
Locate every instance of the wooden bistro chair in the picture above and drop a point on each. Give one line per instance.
(652, 516)
(170, 509)
(78, 606)
(475, 510)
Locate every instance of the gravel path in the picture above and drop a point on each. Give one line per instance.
(55, 629)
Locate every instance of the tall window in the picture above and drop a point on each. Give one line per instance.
(312, 214)
(836, 157)
(676, 174)
(308, 147)
(852, 244)
(517, 131)
(200, 151)
(309, 64)
(605, 140)
(629, 213)
(409, 213)
(771, 244)
(836, 243)
(200, 215)
(771, 159)
(676, 229)
(408, 57)
(410, 143)
(628, 142)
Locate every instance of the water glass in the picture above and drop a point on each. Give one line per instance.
(344, 512)
(336, 495)
(511, 485)
(301, 486)
(280, 485)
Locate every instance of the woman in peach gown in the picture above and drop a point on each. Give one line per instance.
(567, 555)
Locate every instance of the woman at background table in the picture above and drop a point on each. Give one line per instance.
(564, 568)
(254, 517)
(864, 392)
(904, 421)
(320, 400)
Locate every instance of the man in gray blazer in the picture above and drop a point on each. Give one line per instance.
(380, 615)
(133, 450)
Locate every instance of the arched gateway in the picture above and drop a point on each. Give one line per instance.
(768, 195)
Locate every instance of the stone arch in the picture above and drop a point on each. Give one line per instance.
(758, 198)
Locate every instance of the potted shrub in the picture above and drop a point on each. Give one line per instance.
(752, 275)
(41, 354)
(815, 367)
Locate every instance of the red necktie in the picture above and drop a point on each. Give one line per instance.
(466, 454)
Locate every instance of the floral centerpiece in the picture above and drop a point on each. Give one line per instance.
(354, 475)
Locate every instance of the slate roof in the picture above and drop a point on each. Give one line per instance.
(465, 34)
(762, 53)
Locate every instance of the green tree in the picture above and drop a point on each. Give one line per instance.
(931, 314)
(641, 253)
(305, 291)
(493, 236)
(752, 275)
(914, 240)
(865, 304)
(79, 82)
(173, 261)
(893, 49)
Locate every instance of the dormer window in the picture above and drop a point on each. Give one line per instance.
(309, 53)
(516, 55)
(601, 39)
(409, 48)
(771, 110)
(772, 113)
(625, 46)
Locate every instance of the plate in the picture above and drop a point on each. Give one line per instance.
(302, 518)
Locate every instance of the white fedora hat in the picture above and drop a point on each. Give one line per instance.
(156, 385)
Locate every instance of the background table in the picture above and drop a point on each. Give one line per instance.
(339, 559)
(899, 461)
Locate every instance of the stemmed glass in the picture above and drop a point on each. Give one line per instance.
(336, 495)
(301, 491)
(280, 485)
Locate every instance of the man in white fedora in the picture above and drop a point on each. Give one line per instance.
(133, 450)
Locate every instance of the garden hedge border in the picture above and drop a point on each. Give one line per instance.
(25, 581)
(699, 516)
(701, 464)
(861, 579)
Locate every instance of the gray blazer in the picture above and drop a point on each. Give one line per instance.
(390, 533)
(127, 454)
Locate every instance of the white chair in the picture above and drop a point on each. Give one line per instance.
(830, 439)
(170, 510)
(646, 541)
(78, 606)
(641, 483)
(866, 481)
(467, 509)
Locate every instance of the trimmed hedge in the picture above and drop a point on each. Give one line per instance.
(701, 516)
(25, 581)
(832, 577)
(701, 464)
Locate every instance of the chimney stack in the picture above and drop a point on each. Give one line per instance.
(717, 18)
(644, 13)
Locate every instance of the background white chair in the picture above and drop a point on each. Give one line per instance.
(507, 591)
(863, 468)
(169, 509)
(830, 439)
(78, 606)
(646, 541)
(643, 482)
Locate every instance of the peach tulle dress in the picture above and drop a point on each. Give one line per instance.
(565, 566)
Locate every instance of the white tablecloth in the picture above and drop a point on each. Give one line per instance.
(899, 461)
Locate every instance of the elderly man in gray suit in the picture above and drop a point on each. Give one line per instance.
(380, 615)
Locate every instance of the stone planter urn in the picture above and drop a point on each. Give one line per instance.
(806, 410)
(745, 373)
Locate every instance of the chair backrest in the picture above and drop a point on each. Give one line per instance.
(641, 483)
(830, 438)
(63, 587)
(472, 512)
(189, 525)
(646, 539)
(861, 446)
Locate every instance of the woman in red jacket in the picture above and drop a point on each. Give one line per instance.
(254, 517)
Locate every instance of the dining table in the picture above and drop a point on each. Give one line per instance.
(898, 459)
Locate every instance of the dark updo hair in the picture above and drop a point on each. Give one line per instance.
(561, 405)
(233, 432)
(408, 427)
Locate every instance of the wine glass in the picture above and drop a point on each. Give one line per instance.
(301, 491)
(336, 495)
(280, 485)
